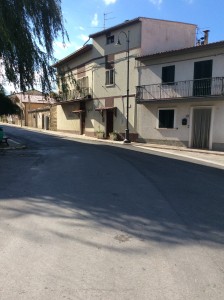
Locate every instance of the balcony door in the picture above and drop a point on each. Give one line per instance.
(202, 78)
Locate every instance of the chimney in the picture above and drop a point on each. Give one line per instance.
(206, 36)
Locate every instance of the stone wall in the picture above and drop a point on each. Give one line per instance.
(53, 118)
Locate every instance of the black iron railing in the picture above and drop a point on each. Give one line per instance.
(181, 89)
(76, 94)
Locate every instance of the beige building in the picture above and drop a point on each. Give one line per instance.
(93, 80)
(30, 101)
(39, 118)
(180, 96)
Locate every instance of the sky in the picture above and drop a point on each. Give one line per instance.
(85, 17)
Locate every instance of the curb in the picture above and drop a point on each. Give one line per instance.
(205, 157)
(180, 149)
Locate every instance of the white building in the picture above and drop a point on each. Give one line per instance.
(101, 69)
(180, 96)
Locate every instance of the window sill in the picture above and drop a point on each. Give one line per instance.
(110, 85)
(176, 128)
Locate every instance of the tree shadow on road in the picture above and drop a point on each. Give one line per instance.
(137, 195)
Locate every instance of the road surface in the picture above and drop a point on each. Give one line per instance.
(87, 220)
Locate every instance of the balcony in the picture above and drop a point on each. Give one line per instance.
(206, 87)
(76, 94)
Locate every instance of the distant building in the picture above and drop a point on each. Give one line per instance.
(30, 101)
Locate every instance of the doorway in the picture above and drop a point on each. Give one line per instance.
(82, 117)
(42, 119)
(201, 128)
(109, 122)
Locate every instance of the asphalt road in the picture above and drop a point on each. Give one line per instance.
(86, 220)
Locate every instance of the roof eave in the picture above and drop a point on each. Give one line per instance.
(80, 51)
(121, 25)
(189, 50)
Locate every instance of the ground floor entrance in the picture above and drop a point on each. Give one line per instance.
(109, 121)
(201, 124)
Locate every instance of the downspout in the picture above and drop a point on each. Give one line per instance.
(86, 42)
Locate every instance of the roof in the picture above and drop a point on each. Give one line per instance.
(46, 108)
(188, 50)
(82, 50)
(127, 22)
(29, 98)
(130, 22)
(29, 92)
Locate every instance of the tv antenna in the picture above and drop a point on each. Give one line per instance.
(106, 19)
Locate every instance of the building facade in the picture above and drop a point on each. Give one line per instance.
(180, 97)
(30, 101)
(94, 82)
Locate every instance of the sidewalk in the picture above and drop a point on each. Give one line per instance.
(204, 157)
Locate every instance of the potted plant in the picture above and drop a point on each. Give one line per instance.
(113, 136)
(100, 134)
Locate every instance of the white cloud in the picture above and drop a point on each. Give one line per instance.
(95, 21)
(81, 28)
(157, 3)
(83, 37)
(62, 50)
(108, 2)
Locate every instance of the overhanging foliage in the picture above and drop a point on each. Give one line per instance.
(27, 31)
(7, 107)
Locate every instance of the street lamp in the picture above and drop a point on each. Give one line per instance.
(126, 140)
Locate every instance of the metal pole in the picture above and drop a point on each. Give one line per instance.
(127, 140)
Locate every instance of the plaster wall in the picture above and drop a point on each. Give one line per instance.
(89, 118)
(101, 48)
(66, 119)
(148, 121)
(161, 35)
(119, 88)
(39, 120)
(82, 59)
(151, 71)
(120, 119)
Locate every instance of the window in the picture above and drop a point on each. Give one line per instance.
(110, 77)
(202, 78)
(168, 74)
(109, 66)
(166, 118)
(110, 39)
